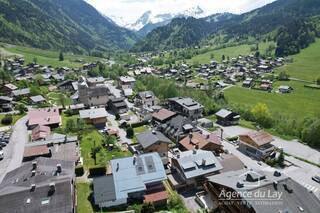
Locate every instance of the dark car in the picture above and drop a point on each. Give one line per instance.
(316, 178)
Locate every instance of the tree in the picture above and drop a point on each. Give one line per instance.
(223, 57)
(318, 81)
(262, 115)
(109, 140)
(283, 76)
(35, 60)
(21, 108)
(7, 120)
(70, 125)
(62, 100)
(94, 151)
(130, 132)
(117, 116)
(311, 133)
(281, 158)
(211, 56)
(147, 208)
(61, 57)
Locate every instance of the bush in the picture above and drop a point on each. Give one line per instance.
(70, 112)
(139, 124)
(130, 132)
(147, 208)
(97, 171)
(117, 117)
(79, 171)
(7, 120)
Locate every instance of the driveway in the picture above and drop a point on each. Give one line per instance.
(14, 150)
(115, 125)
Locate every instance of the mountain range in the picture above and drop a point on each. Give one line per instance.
(149, 21)
(71, 25)
(274, 22)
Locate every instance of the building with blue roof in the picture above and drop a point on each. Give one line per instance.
(131, 179)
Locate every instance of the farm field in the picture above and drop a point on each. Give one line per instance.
(305, 65)
(234, 51)
(45, 57)
(299, 104)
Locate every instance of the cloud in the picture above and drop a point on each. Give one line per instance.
(131, 10)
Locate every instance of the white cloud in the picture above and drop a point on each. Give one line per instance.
(130, 10)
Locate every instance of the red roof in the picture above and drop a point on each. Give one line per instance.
(163, 114)
(258, 137)
(40, 132)
(199, 140)
(44, 116)
(36, 151)
(155, 197)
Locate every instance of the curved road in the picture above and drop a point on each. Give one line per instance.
(13, 152)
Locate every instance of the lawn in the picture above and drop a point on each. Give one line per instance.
(139, 130)
(65, 118)
(299, 104)
(15, 118)
(83, 195)
(305, 65)
(88, 140)
(234, 51)
(54, 98)
(45, 57)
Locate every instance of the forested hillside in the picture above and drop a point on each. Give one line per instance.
(71, 25)
(291, 21)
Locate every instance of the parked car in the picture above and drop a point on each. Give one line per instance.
(3, 144)
(1, 155)
(316, 178)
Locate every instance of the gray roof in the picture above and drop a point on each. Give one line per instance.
(131, 174)
(21, 92)
(104, 189)
(127, 79)
(149, 138)
(37, 99)
(96, 80)
(146, 94)
(93, 113)
(98, 90)
(15, 190)
(195, 163)
(289, 201)
(188, 103)
(223, 113)
(5, 98)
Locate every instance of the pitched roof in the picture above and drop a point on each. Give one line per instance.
(44, 116)
(146, 94)
(223, 113)
(40, 132)
(187, 102)
(149, 138)
(259, 137)
(194, 139)
(196, 163)
(19, 92)
(163, 114)
(37, 98)
(11, 86)
(34, 151)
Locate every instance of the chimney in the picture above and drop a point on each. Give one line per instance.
(275, 185)
(203, 162)
(154, 132)
(134, 159)
(33, 187)
(59, 168)
(33, 173)
(194, 151)
(117, 167)
(52, 187)
(178, 156)
(190, 137)
(221, 136)
(34, 165)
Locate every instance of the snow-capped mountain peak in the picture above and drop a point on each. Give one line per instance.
(150, 18)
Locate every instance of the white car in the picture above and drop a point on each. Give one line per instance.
(1, 155)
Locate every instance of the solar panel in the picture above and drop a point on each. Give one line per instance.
(140, 167)
(210, 162)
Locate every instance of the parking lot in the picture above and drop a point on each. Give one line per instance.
(13, 151)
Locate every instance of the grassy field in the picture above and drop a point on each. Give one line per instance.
(299, 104)
(45, 57)
(229, 51)
(54, 98)
(306, 64)
(83, 195)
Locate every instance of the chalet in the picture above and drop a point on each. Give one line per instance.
(97, 95)
(8, 88)
(126, 82)
(196, 140)
(193, 166)
(227, 117)
(44, 117)
(6, 104)
(248, 189)
(248, 83)
(256, 144)
(118, 105)
(97, 116)
(44, 185)
(186, 107)
(66, 85)
(131, 179)
(266, 85)
(162, 116)
(285, 89)
(145, 99)
(37, 99)
(155, 141)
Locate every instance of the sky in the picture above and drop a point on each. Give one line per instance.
(131, 10)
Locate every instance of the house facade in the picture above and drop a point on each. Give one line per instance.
(186, 107)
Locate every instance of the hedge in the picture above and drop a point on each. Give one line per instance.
(97, 171)
(7, 120)
(79, 171)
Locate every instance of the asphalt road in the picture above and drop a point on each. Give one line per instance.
(13, 152)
